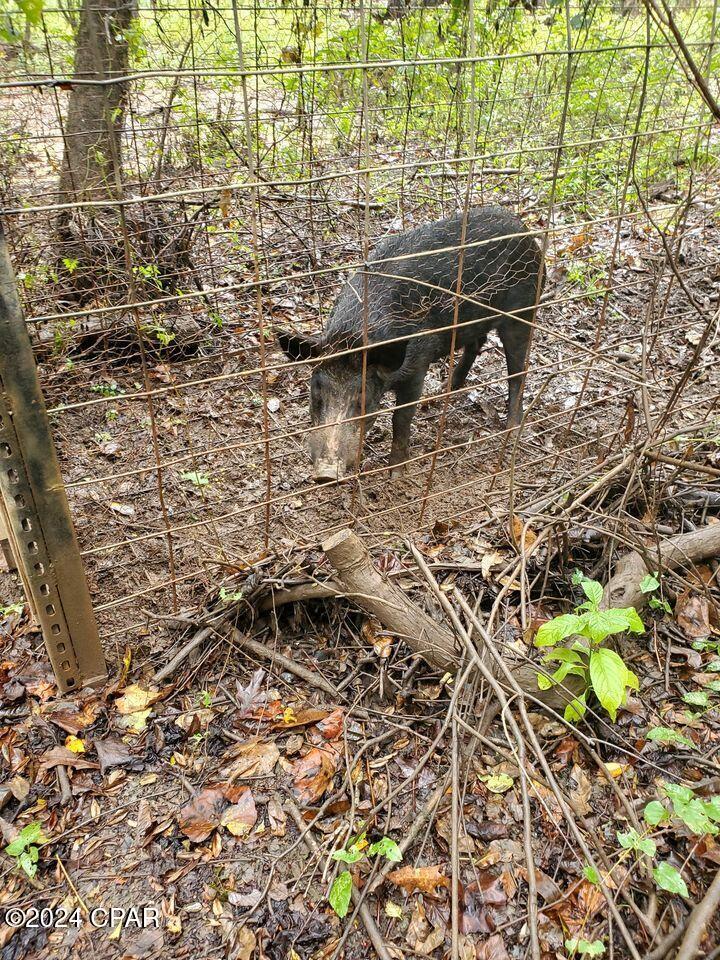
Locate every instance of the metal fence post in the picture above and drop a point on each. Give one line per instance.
(35, 505)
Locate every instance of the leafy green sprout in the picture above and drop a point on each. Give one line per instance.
(579, 947)
(24, 850)
(700, 816)
(196, 478)
(230, 596)
(603, 671)
(12, 609)
(358, 849)
(650, 583)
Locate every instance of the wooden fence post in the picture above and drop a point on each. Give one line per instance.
(35, 506)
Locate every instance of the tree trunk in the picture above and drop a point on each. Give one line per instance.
(95, 112)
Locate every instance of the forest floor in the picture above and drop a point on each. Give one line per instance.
(218, 795)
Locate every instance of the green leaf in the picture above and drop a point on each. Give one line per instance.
(348, 855)
(340, 893)
(632, 840)
(544, 682)
(591, 874)
(563, 654)
(713, 666)
(32, 9)
(592, 590)
(555, 630)
(650, 582)
(711, 808)
(499, 784)
(599, 624)
(30, 834)
(677, 793)
(27, 863)
(694, 817)
(668, 878)
(635, 624)
(575, 710)
(655, 813)
(586, 948)
(666, 735)
(697, 698)
(386, 848)
(607, 675)
(655, 603)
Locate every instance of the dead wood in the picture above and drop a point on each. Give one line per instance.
(433, 641)
(373, 593)
(623, 589)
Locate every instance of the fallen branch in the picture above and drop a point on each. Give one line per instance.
(365, 585)
(699, 919)
(623, 589)
(433, 641)
(361, 907)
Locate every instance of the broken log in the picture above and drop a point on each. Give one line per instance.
(434, 642)
(623, 588)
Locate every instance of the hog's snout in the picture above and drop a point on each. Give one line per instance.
(327, 472)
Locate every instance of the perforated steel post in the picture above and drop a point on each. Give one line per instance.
(36, 509)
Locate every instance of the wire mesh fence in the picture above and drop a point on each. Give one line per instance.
(187, 187)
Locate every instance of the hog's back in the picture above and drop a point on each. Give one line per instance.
(412, 278)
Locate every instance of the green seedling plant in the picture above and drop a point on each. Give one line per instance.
(24, 849)
(357, 849)
(651, 584)
(196, 478)
(578, 947)
(603, 671)
(701, 816)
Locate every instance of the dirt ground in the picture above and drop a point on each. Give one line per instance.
(188, 795)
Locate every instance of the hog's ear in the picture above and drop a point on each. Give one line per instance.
(298, 346)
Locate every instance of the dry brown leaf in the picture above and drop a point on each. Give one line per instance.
(313, 774)
(241, 817)
(516, 533)
(256, 758)
(580, 795)
(331, 727)
(277, 818)
(424, 879)
(692, 614)
(492, 949)
(62, 757)
(421, 936)
(202, 815)
(300, 718)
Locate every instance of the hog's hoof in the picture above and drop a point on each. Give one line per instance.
(398, 466)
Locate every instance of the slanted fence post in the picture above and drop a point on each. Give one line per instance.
(35, 506)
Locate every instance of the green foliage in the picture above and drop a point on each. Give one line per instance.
(340, 893)
(356, 850)
(666, 736)
(584, 948)
(667, 877)
(196, 477)
(603, 671)
(632, 840)
(650, 583)
(23, 849)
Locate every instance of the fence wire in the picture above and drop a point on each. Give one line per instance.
(181, 183)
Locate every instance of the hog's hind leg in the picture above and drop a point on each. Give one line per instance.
(515, 337)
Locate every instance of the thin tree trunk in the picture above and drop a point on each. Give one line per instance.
(95, 112)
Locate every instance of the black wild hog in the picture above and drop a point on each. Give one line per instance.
(410, 282)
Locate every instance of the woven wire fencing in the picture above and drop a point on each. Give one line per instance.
(194, 178)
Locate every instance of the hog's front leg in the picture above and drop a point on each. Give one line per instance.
(407, 395)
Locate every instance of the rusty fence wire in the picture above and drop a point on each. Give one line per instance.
(180, 182)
